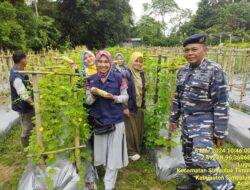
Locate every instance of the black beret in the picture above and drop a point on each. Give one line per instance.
(196, 39)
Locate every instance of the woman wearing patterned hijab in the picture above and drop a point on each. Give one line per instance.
(134, 119)
(119, 63)
(110, 149)
(88, 63)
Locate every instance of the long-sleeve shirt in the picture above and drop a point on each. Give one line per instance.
(20, 88)
(201, 98)
(122, 98)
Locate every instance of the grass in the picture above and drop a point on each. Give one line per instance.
(12, 160)
(139, 175)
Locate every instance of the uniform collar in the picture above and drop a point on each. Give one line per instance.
(202, 65)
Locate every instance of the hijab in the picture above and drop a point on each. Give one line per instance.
(120, 68)
(137, 77)
(103, 76)
(88, 70)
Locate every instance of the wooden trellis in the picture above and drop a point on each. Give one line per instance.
(38, 118)
(235, 62)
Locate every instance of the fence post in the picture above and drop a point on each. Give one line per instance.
(77, 134)
(231, 73)
(43, 60)
(244, 78)
(2, 75)
(38, 117)
(157, 79)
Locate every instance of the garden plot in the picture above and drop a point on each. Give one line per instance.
(8, 117)
(239, 96)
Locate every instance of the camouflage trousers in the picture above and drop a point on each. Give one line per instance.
(197, 153)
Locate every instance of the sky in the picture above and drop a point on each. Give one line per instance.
(138, 8)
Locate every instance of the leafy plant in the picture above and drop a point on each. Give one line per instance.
(61, 111)
(156, 112)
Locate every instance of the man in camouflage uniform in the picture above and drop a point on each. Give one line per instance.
(201, 98)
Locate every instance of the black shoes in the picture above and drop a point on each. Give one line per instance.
(192, 184)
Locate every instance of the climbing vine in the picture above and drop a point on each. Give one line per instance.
(158, 103)
(62, 111)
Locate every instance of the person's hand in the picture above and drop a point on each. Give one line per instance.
(32, 104)
(73, 65)
(93, 91)
(110, 96)
(172, 127)
(219, 142)
(126, 112)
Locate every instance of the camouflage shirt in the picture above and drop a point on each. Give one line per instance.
(201, 98)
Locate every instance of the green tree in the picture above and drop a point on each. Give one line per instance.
(41, 32)
(182, 16)
(48, 8)
(236, 16)
(204, 13)
(12, 35)
(47, 33)
(161, 8)
(20, 28)
(14, 2)
(73, 20)
(149, 30)
(219, 17)
(97, 24)
(28, 20)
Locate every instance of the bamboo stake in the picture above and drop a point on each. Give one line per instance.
(231, 73)
(225, 64)
(77, 151)
(38, 60)
(1, 75)
(244, 80)
(39, 119)
(157, 79)
(7, 69)
(43, 60)
(57, 55)
(33, 59)
(77, 134)
(52, 67)
(44, 73)
(8, 62)
(58, 151)
(38, 114)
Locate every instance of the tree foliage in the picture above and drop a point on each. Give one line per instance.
(97, 24)
(149, 30)
(12, 35)
(160, 8)
(21, 29)
(100, 23)
(220, 17)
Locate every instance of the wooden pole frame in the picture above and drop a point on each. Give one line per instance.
(58, 151)
(38, 117)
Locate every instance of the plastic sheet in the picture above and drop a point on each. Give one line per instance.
(166, 164)
(8, 119)
(239, 128)
(64, 177)
(234, 94)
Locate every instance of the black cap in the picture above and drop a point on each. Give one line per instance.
(196, 39)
